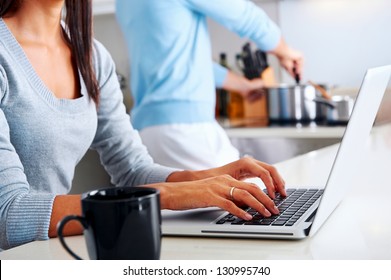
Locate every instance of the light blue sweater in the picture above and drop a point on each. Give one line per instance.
(170, 54)
(42, 138)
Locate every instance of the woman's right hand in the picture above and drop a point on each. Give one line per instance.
(216, 191)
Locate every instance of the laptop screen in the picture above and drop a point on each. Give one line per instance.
(365, 113)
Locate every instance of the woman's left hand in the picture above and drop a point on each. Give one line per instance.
(248, 167)
(241, 169)
(221, 191)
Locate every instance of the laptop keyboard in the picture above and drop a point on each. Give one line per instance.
(291, 207)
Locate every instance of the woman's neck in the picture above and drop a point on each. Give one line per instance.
(36, 26)
(37, 21)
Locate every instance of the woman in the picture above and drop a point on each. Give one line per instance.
(59, 96)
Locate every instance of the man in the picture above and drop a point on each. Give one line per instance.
(172, 73)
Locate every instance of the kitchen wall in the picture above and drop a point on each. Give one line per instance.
(339, 38)
(107, 31)
(224, 40)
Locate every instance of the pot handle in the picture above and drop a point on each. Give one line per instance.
(325, 102)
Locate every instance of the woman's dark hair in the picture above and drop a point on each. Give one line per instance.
(9, 6)
(78, 20)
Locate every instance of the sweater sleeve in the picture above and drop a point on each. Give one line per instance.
(24, 215)
(242, 17)
(121, 151)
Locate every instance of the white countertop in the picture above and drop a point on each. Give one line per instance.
(253, 128)
(298, 132)
(365, 236)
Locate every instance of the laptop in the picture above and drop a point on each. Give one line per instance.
(305, 209)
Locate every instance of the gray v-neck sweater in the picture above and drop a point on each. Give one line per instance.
(42, 138)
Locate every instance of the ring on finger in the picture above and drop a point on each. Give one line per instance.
(231, 193)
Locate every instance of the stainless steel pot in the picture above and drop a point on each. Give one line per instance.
(338, 109)
(294, 104)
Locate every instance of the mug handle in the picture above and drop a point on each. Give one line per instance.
(60, 228)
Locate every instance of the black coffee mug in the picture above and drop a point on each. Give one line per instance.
(119, 223)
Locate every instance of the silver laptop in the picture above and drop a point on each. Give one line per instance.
(304, 210)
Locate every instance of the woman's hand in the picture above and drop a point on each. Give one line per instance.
(248, 167)
(222, 191)
(213, 187)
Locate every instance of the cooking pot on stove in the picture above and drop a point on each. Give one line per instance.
(338, 108)
(295, 104)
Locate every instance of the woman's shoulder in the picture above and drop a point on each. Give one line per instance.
(101, 54)
(3, 75)
(3, 83)
(103, 62)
